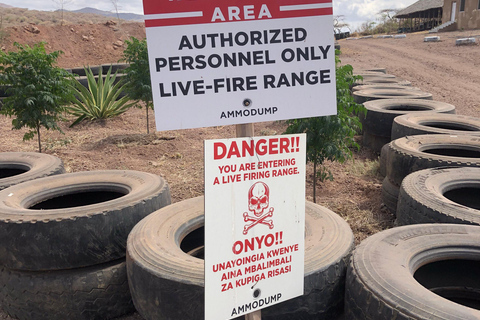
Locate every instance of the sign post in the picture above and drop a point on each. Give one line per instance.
(254, 222)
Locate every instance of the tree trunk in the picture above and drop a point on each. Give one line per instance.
(39, 140)
(315, 181)
(148, 129)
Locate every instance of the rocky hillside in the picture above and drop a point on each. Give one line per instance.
(82, 44)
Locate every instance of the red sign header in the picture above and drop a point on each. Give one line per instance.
(183, 12)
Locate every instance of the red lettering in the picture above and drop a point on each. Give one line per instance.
(253, 243)
(273, 146)
(250, 148)
(261, 148)
(233, 150)
(284, 143)
(216, 147)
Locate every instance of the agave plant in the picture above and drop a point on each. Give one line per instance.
(100, 100)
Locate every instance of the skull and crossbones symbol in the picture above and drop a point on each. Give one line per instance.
(258, 202)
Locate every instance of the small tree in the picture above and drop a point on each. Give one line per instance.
(37, 90)
(138, 86)
(330, 137)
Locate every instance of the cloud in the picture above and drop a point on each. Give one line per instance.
(358, 11)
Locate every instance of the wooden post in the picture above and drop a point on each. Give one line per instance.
(246, 130)
(256, 315)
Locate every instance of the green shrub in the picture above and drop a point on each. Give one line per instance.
(139, 86)
(331, 137)
(37, 89)
(101, 99)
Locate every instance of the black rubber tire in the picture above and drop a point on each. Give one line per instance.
(374, 142)
(97, 292)
(381, 80)
(369, 75)
(390, 195)
(415, 124)
(381, 113)
(383, 161)
(414, 153)
(394, 274)
(18, 167)
(440, 196)
(362, 96)
(379, 70)
(120, 67)
(75, 219)
(80, 71)
(383, 87)
(167, 283)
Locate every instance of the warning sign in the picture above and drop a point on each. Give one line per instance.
(219, 62)
(254, 223)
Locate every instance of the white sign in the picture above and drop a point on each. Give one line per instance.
(254, 223)
(214, 64)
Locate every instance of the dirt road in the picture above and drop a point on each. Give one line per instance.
(450, 73)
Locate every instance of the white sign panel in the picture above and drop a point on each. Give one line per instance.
(214, 63)
(254, 223)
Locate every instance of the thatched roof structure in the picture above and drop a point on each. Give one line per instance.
(418, 7)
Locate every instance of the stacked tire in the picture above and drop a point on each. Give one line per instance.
(63, 240)
(422, 271)
(378, 122)
(166, 270)
(414, 153)
(18, 167)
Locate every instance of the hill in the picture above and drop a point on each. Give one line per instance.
(123, 16)
(11, 16)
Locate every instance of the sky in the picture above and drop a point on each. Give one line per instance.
(355, 11)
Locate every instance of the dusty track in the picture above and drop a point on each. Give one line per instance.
(451, 73)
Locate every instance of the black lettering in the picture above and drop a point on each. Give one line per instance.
(163, 93)
(303, 54)
(160, 63)
(212, 37)
(251, 82)
(237, 38)
(297, 79)
(184, 43)
(287, 35)
(325, 76)
(268, 81)
(312, 77)
(228, 40)
(255, 37)
(300, 34)
(288, 55)
(174, 63)
(245, 58)
(213, 64)
(274, 38)
(200, 60)
(199, 45)
(198, 87)
(257, 57)
(324, 51)
(187, 61)
(184, 89)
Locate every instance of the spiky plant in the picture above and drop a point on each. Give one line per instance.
(100, 100)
